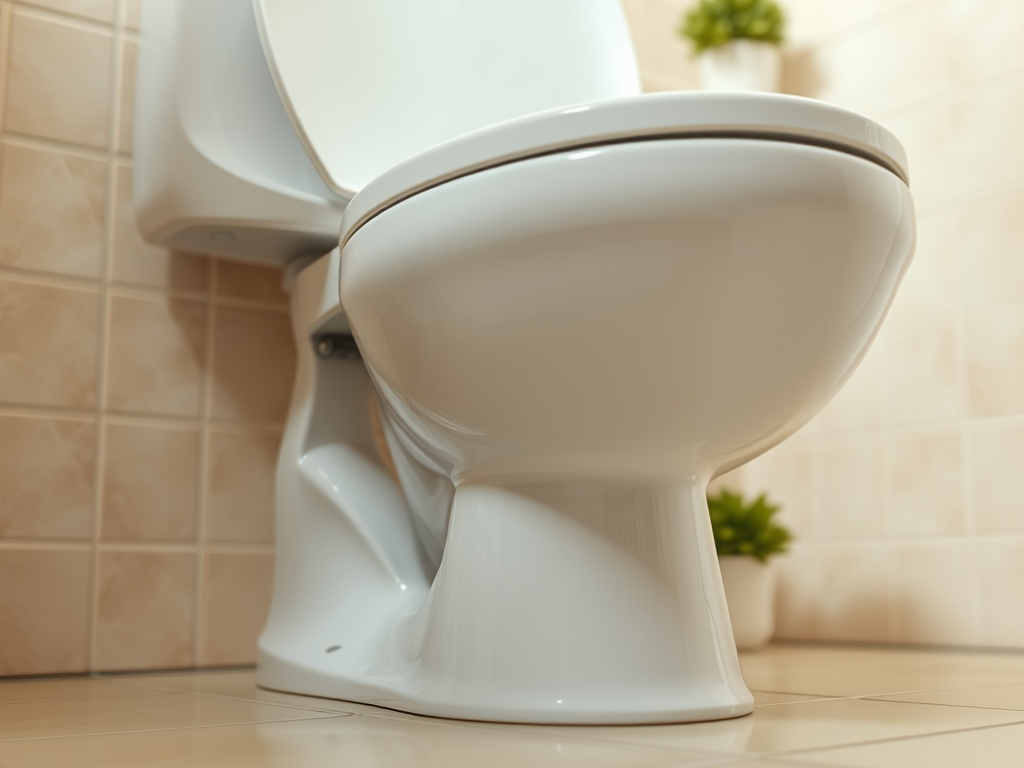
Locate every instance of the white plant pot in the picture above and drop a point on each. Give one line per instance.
(750, 593)
(740, 65)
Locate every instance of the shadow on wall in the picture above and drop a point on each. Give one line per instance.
(801, 73)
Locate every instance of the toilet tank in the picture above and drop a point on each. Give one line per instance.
(257, 120)
(218, 167)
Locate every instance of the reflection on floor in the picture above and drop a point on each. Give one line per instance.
(816, 706)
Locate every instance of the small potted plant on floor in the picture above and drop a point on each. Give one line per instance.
(745, 537)
(737, 43)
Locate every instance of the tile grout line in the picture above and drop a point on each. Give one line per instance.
(46, 144)
(68, 19)
(890, 740)
(961, 363)
(5, 58)
(154, 420)
(104, 339)
(892, 626)
(140, 292)
(202, 486)
(323, 715)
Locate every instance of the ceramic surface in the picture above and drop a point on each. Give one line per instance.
(561, 347)
(561, 339)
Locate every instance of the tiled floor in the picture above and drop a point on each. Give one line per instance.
(816, 706)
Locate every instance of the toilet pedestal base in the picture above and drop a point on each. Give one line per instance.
(557, 600)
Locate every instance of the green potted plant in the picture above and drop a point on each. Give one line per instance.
(745, 538)
(737, 43)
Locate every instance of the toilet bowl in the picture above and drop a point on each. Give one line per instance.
(534, 345)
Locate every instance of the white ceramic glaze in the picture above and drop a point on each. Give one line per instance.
(750, 593)
(679, 114)
(740, 65)
(571, 321)
(369, 84)
(218, 168)
(567, 348)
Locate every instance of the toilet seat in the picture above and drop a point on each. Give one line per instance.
(639, 118)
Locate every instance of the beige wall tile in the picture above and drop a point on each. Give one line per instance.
(886, 65)
(51, 211)
(1000, 591)
(246, 281)
(44, 611)
(995, 365)
(858, 406)
(46, 477)
(131, 13)
(797, 592)
(850, 500)
(240, 492)
(928, 295)
(990, 240)
(921, 130)
(150, 481)
(785, 474)
(926, 481)
(732, 480)
(997, 460)
(819, 22)
(852, 593)
(991, 747)
(48, 345)
(253, 365)
(98, 10)
(59, 81)
(932, 593)
(985, 125)
(920, 383)
(137, 262)
(144, 619)
(986, 43)
(235, 606)
(126, 118)
(664, 58)
(156, 356)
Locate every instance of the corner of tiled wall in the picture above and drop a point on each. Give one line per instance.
(142, 392)
(904, 493)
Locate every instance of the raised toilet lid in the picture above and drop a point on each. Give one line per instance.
(369, 83)
(692, 114)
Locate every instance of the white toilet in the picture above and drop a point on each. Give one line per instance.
(552, 332)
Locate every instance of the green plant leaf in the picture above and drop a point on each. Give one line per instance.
(716, 22)
(742, 528)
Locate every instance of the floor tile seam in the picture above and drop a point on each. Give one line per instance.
(227, 697)
(810, 699)
(910, 692)
(72, 699)
(813, 697)
(949, 704)
(890, 740)
(820, 697)
(327, 716)
(873, 650)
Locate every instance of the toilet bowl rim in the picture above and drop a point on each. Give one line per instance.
(649, 117)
